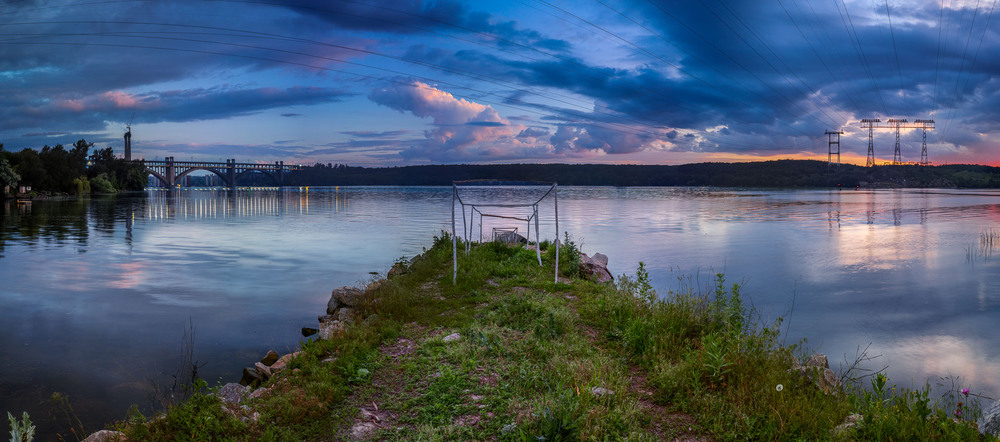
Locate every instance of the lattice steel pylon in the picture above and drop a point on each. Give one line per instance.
(830, 144)
(924, 126)
(870, 123)
(896, 157)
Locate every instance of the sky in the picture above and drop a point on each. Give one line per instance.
(408, 82)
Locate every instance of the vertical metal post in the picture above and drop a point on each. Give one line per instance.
(538, 250)
(896, 157)
(555, 188)
(465, 230)
(454, 237)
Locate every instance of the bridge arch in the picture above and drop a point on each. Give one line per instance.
(158, 176)
(220, 174)
(276, 179)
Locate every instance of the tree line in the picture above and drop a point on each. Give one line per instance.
(780, 173)
(76, 170)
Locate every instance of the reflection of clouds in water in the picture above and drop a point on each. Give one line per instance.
(868, 248)
(179, 299)
(129, 275)
(945, 355)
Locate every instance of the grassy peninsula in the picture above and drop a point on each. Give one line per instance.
(505, 353)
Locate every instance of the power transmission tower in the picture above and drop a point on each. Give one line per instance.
(830, 143)
(924, 126)
(896, 157)
(870, 123)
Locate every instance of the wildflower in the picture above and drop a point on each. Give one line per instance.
(958, 412)
(965, 391)
(779, 387)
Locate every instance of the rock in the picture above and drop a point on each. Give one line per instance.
(309, 331)
(232, 393)
(333, 304)
(990, 422)
(106, 436)
(817, 360)
(265, 371)
(250, 376)
(452, 337)
(850, 422)
(600, 259)
(325, 318)
(509, 237)
(601, 391)
(817, 368)
(345, 315)
(595, 268)
(327, 330)
(283, 361)
(258, 393)
(270, 357)
(347, 296)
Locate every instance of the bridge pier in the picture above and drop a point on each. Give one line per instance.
(231, 173)
(170, 175)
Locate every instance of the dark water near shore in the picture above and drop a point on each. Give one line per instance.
(97, 294)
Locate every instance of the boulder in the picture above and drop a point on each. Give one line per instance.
(265, 371)
(595, 268)
(817, 369)
(345, 315)
(600, 259)
(232, 393)
(309, 331)
(250, 376)
(333, 304)
(106, 436)
(452, 337)
(270, 357)
(329, 329)
(283, 361)
(990, 422)
(346, 296)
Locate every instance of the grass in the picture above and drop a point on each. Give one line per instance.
(538, 360)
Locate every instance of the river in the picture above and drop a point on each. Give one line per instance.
(99, 295)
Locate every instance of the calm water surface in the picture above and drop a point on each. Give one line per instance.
(97, 294)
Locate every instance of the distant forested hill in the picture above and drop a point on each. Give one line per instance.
(782, 173)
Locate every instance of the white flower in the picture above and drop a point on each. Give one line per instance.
(779, 387)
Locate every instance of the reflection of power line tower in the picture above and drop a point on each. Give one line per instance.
(830, 143)
(874, 123)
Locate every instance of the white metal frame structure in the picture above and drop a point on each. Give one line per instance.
(476, 208)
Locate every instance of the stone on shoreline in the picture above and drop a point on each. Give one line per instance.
(283, 361)
(595, 268)
(232, 393)
(329, 329)
(263, 370)
(309, 331)
(270, 357)
(817, 368)
(346, 297)
(990, 423)
(250, 376)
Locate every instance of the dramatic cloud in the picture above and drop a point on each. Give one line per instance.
(604, 81)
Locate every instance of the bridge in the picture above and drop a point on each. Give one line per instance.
(169, 172)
